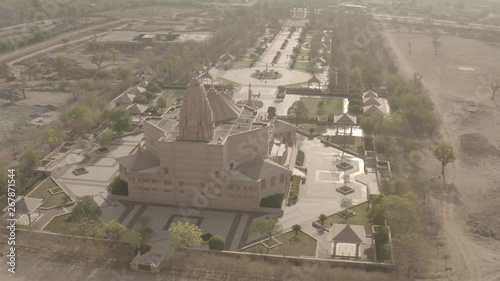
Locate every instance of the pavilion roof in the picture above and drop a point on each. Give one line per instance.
(28, 205)
(371, 101)
(346, 233)
(371, 109)
(314, 79)
(345, 119)
(370, 94)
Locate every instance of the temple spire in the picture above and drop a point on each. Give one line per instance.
(196, 117)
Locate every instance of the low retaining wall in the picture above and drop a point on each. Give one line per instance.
(296, 261)
(258, 209)
(348, 151)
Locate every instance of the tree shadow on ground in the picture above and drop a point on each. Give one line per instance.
(451, 194)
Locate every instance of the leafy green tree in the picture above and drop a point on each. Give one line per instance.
(296, 228)
(113, 53)
(298, 111)
(401, 214)
(322, 218)
(184, 234)
(61, 65)
(161, 102)
(271, 112)
(86, 209)
(409, 251)
(445, 154)
(29, 162)
(114, 230)
(32, 68)
(266, 226)
(83, 118)
(216, 243)
(123, 73)
(88, 228)
(153, 87)
(98, 59)
(144, 232)
(140, 99)
(121, 119)
(51, 137)
(105, 137)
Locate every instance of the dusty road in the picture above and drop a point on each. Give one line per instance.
(56, 41)
(457, 79)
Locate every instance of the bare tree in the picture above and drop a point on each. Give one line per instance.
(436, 39)
(494, 86)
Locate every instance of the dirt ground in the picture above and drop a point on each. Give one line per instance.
(457, 80)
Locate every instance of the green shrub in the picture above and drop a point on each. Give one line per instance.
(300, 158)
(119, 187)
(380, 145)
(294, 188)
(273, 201)
(216, 243)
(206, 236)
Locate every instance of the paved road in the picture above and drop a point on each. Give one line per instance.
(55, 42)
(416, 20)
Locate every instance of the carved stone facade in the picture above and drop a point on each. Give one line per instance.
(209, 154)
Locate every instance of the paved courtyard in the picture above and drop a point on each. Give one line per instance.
(268, 88)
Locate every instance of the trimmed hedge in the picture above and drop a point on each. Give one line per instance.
(273, 201)
(216, 243)
(303, 91)
(300, 158)
(294, 188)
(119, 187)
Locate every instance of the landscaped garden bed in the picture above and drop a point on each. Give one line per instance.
(102, 150)
(265, 75)
(53, 195)
(346, 214)
(302, 245)
(344, 190)
(270, 243)
(344, 166)
(80, 171)
(56, 190)
(361, 218)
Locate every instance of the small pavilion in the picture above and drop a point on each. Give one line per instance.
(371, 109)
(371, 101)
(206, 78)
(313, 80)
(344, 120)
(346, 240)
(28, 206)
(370, 94)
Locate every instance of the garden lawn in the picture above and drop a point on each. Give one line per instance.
(60, 224)
(306, 126)
(42, 192)
(172, 97)
(304, 245)
(332, 106)
(353, 143)
(361, 218)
